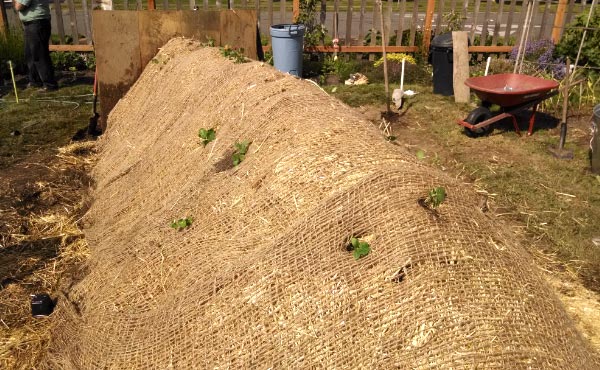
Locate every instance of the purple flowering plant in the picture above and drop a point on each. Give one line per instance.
(540, 54)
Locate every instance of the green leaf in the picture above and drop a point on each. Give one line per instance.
(354, 242)
(207, 135)
(436, 196)
(420, 154)
(362, 250)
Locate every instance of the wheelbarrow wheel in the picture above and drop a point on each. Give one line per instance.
(476, 116)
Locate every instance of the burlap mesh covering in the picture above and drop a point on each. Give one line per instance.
(262, 278)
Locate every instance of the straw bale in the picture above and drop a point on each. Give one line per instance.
(262, 278)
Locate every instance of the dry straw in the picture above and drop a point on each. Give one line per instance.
(263, 278)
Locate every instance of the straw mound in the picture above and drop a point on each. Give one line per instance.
(263, 278)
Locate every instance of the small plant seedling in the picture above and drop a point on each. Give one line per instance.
(210, 42)
(182, 223)
(207, 135)
(421, 154)
(359, 249)
(236, 55)
(241, 148)
(436, 196)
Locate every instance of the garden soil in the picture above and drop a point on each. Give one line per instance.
(263, 278)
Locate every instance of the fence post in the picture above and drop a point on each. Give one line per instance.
(3, 19)
(151, 5)
(559, 21)
(295, 10)
(427, 26)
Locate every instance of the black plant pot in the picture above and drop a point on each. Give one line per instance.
(41, 305)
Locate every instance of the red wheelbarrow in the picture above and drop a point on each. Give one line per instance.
(512, 92)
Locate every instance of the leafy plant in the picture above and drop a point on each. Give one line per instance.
(571, 39)
(540, 55)
(314, 33)
(396, 58)
(71, 61)
(11, 48)
(210, 42)
(359, 249)
(454, 21)
(421, 154)
(236, 55)
(182, 223)
(241, 148)
(436, 196)
(207, 135)
(342, 66)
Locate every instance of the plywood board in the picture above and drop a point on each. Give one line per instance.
(238, 29)
(460, 59)
(201, 25)
(117, 46)
(156, 28)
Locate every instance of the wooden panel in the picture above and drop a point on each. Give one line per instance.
(238, 29)
(544, 25)
(3, 19)
(509, 20)
(282, 11)
(497, 25)
(77, 48)
(203, 26)
(348, 37)
(413, 23)
(460, 65)
(486, 22)
(361, 49)
(490, 49)
(86, 21)
(73, 21)
(361, 23)
(387, 24)
(400, 30)
(117, 58)
(155, 29)
(59, 21)
(474, 24)
(440, 17)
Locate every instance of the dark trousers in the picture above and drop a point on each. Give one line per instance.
(37, 55)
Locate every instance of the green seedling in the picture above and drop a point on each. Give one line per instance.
(182, 223)
(359, 249)
(241, 148)
(236, 55)
(207, 135)
(436, 197)
(420, 154)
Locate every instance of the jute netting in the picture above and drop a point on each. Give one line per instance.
(263, 278)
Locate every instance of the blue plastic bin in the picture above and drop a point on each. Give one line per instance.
(287, 46)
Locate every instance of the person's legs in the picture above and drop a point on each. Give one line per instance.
(30, 32)
(37, 38)
(43, 62)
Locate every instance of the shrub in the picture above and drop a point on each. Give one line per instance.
(11, 48)
(69, 61)
(571, 39)
(540, 55)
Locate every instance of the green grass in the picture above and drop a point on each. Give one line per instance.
(41, 121)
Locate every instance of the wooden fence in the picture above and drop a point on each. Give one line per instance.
(492, 26)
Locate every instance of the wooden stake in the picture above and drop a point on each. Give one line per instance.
(563, 123)
(559, 20)
(428, 20)
(385, 70)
